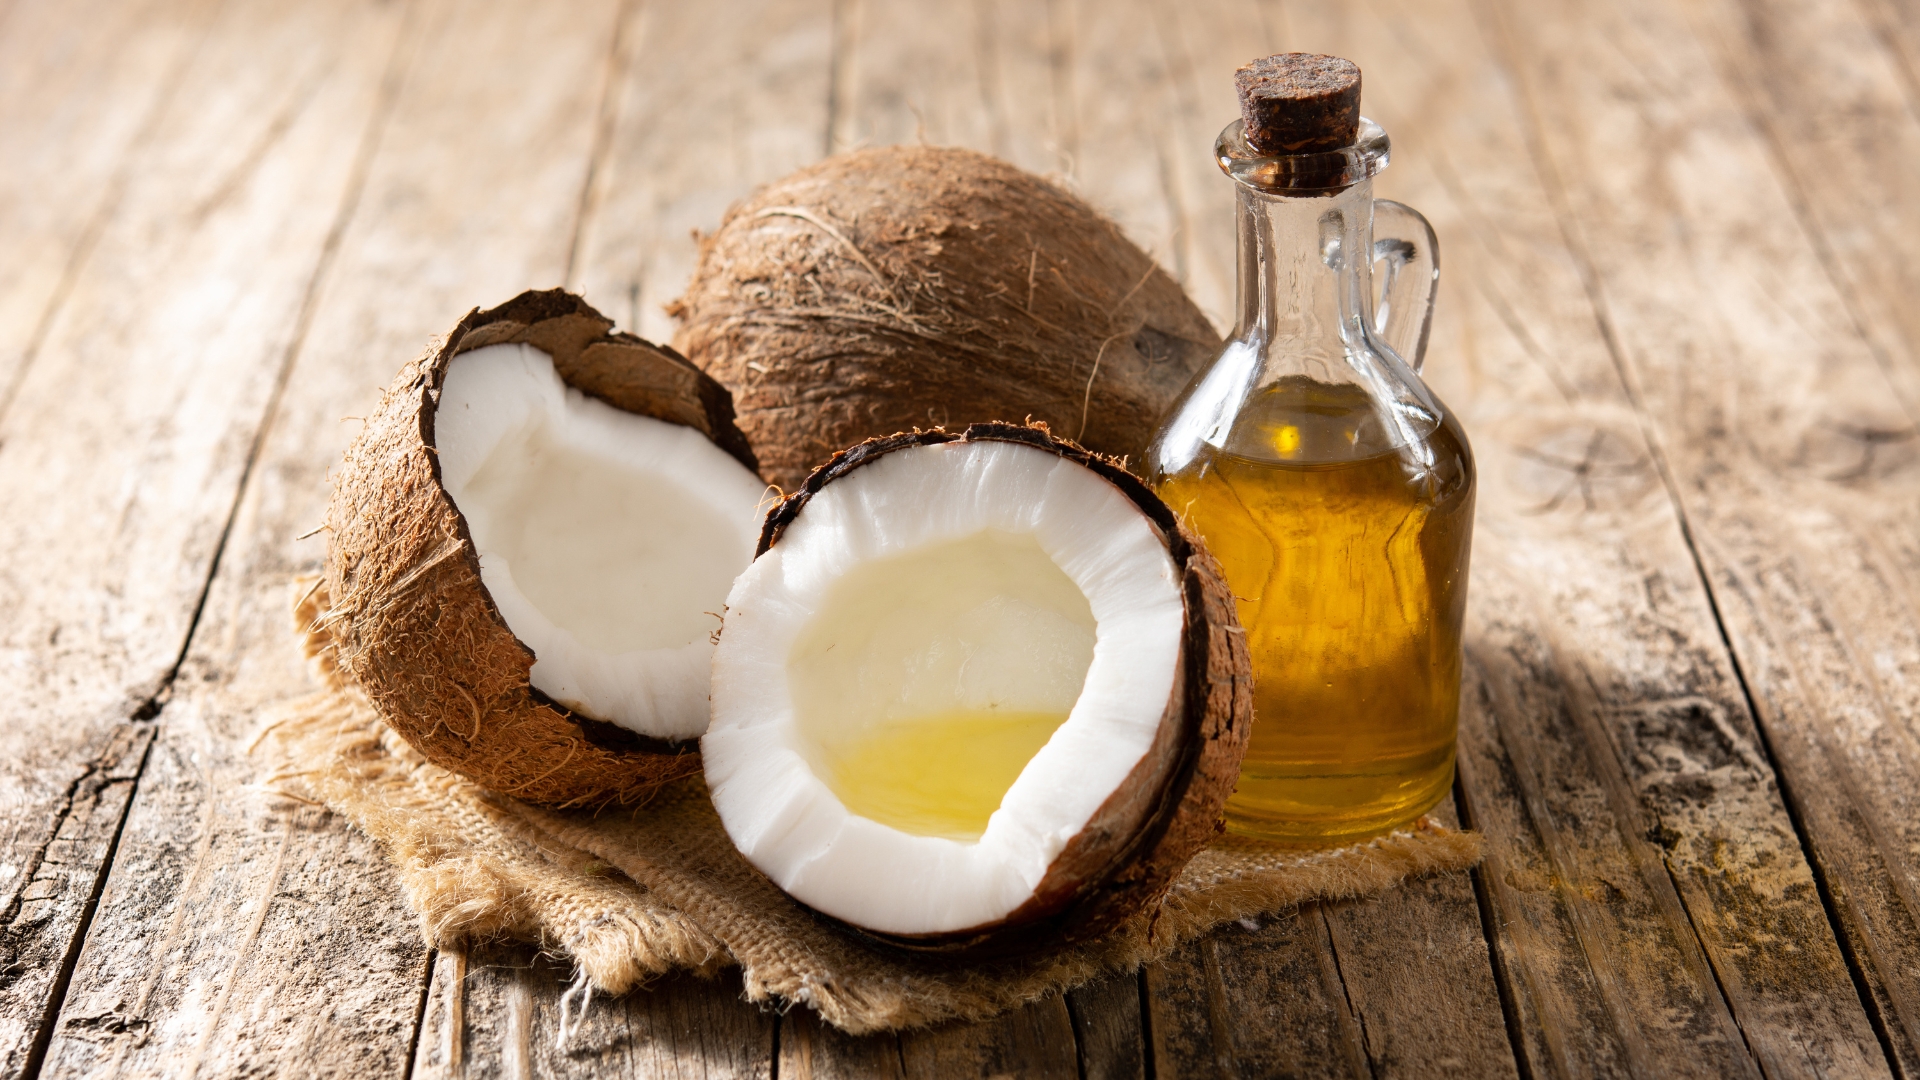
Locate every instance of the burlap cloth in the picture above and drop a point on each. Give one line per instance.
(633, 893)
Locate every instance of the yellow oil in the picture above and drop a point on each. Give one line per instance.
(1347, 555)
(939, 775)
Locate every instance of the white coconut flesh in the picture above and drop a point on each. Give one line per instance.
(607, 540)
(949, 660)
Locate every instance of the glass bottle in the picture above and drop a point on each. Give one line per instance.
(1337, 492)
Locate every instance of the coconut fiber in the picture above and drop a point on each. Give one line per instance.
(630, 893)
(901, 287)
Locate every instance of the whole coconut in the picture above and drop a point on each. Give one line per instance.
(910, 287)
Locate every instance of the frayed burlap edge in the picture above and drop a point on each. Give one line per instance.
(630, 894)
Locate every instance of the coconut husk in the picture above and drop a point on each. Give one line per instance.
(1169, 807)
(913, 286)
(631, 894)
(415, 626)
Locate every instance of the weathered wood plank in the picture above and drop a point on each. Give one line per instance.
(1096, 1036)
(1263, 998)
(1347, 989)
(1415, 962)
(1829, 91)
(1107, 1034)
(235, 931)
(1770, 409)
(695, 120)
(1832, 88)
(495, 1012)
(81, 84)
(247, 937)
(60, 886)
(1685, 748)
(128, 434)
(247, 151)
(978, 75)
(810, 1050)
(1033, 1041)
(1120, 148)
(1152, 106)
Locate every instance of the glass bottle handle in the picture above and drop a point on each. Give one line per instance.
(1407, 267)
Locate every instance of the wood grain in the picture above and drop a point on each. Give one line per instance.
(232, 209)
(979, 75)
(1032, 1041)
(236, 933)
(1831, 91)
(1261, 999)
(59, 888)
(810, 1050)
(1152, 106)
(1107, 1033)
(1764, 400)
(1094, 1032)
(129, 432)
(693, 120)
(1337, 990)
(81, 85)
(495, 1013)
(1414, 963)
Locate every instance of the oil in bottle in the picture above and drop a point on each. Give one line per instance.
(1347, 556)
(1333, 486)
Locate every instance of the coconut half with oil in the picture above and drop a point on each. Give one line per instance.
(976, 690)
(531, 543)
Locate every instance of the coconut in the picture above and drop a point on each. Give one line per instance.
(531, 541)
(909, 286)
(976, 691)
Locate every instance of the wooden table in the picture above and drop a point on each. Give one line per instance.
(1677, 317)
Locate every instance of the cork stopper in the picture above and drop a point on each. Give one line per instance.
(1299, 103)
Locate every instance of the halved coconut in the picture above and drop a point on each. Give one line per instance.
(531, 543)
(976, 689)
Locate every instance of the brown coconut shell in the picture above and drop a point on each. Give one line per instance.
(415, 627)
(909, 287)
(1170, 806)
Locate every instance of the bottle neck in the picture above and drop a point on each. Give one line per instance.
(1303, 304)
(1305, 378)
(1303, 359)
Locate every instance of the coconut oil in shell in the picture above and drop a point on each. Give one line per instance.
(927, 680)
(940, 775)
